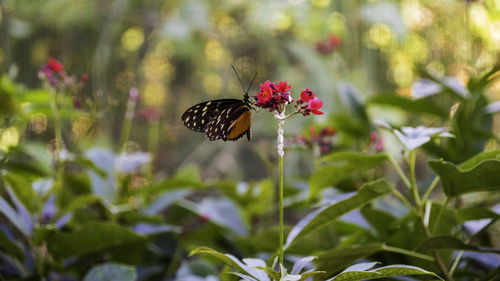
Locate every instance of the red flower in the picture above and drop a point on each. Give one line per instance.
(334, 41)
(150, 113)
(77, 103)
(84, 78)
(327, 46)
(265, 95)
(283, 87)
(323, 48)
(328, 131)
(55, 65)
(267, 84)
(314, 105)
(306, 95)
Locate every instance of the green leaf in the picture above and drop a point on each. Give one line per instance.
(475, 213)
(79, 202)
(473, 161)
(29, 158)
(338, 166)
(272, 273)
(9, 247)
(254, 272)
(91, 238)
(21, 186)
(338, 258)
(220, 256)
(360, 272)
(379, 220)
(457, 181)
(308, 274)
(325, 215)
(188, 177)
(423, 105)
(111, 272)
(8, 93)
(446, 242)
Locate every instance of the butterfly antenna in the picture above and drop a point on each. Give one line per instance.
(251, 83)
(237, 76)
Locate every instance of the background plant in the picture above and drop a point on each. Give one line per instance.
(145, 192)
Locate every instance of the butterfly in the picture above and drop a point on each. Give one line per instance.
(226, 119)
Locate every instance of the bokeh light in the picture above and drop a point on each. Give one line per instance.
(132, 39)
(9, 137)
(212, 84)
(381, 35)
(38, 122)
(154, 94)
(81, 125)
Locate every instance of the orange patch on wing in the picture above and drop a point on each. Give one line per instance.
(240, 125)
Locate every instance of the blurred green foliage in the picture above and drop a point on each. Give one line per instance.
(98, 184)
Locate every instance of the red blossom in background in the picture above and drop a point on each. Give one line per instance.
(150, 113)
(377, 141)
(54, 76)
(84, 78)
(55, 65)
(327, 46)
(77, 103)
(323, 139)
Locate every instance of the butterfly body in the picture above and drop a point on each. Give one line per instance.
(226, 119)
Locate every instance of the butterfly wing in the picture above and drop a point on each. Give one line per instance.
(199, 116)
(231, 123)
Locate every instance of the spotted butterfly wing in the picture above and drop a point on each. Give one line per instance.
(226, 119)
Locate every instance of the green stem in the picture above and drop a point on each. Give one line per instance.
(418, 204)
(413, 179)
(127, 123)
(400, 172)
(281, 208)
(153, 141)
(408, 253)
(58, 143)
(429, 190)
(404, 200)
(440, 214)
(456, 261)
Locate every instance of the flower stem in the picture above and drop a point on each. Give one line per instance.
(413, 179)
(281, 208)
(127, 123)
(281, 154)
(430, 189)
(58, 144)
(154, 137)
(400, 172)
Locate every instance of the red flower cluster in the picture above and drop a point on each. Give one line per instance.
(313, 103)
(329, 45)
(150, 114)
(49, 70)
(323, 139)
(53, 72)
(274, 95)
